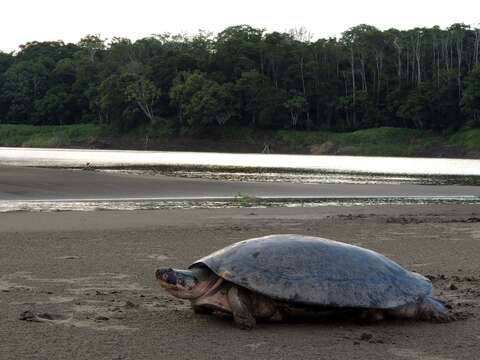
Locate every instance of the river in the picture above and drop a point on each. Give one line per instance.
(129, 158)
(66, 179)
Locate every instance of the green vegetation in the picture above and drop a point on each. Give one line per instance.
(468, 139)
(247, 78)
(368, 92)
(48, 136)
(245, 200)
(392, 141)
(376, 141)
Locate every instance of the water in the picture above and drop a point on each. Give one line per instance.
(300, 176)
(259, 202)
(307, 169)
(345, 164)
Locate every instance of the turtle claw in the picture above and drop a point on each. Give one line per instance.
(245, 324)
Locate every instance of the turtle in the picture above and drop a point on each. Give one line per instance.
(289, 277)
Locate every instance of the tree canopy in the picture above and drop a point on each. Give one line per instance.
(425, 78)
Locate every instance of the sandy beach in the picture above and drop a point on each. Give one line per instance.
(89, 276)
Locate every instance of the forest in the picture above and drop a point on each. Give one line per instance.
(423, 78)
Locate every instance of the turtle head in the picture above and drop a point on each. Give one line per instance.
(184, 284)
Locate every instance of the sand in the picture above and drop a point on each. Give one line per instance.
(87, 278)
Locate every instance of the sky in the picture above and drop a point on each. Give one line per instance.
(69, 20)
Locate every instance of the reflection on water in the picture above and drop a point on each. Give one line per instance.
(238, 202)
(300, 177)
(129, 158)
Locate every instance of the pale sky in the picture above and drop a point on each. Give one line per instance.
(69, 20)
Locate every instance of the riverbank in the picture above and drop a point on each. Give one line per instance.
(90, 277)
(369, 142)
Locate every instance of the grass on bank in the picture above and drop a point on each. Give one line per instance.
(381, 141)
(48, 136)
(469, 139)
(375, 141)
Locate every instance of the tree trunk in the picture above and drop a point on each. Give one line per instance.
(261, 62)
(445, 52)
(364, 77)
(459, 47)
(476, 47)
(399, 61)
(352, 61)
(407, 67)
(147, 110)
(418, 57)
(434, 59)
(294, 117)
(302, 76)
(379, 63)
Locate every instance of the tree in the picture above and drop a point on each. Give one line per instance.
(110, 100)
(296, 105)
(6, 60)
(471, 96)
(250, 87)
(24, 83)
(202, 101)
(415, 111)
(54, 108)
(237, 49)
(143, 93)
(458, 31)
(422, 78)
(92, 44)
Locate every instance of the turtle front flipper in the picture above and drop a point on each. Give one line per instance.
(241, 308)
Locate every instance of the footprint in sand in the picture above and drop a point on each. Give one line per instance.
(166, 303)
(94, 314)
(68, 257)
(417, 265)
(42, 317)
(255, 346)
(99, 282)
(51, 300)
(97, 323)
(415, 355)
(158, 257)
(7, 286)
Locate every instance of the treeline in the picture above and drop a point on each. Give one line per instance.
(425, 78)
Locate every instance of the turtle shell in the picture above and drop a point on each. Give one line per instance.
(310, 270)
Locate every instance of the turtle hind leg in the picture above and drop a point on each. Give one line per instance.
(432, 310)
(425, 308)
(240, 305)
